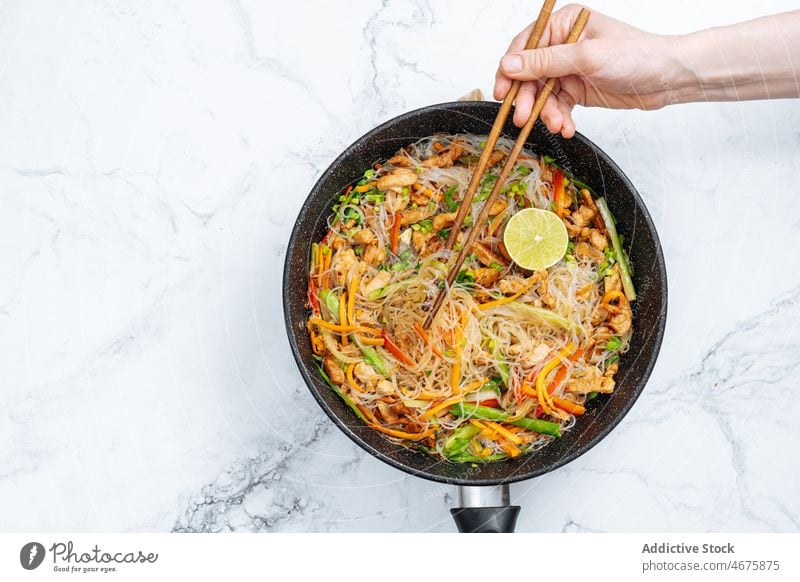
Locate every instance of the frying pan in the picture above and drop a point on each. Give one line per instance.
(484, 488)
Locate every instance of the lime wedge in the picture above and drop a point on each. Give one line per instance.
(535, 238)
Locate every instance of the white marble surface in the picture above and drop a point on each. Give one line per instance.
(153, 156)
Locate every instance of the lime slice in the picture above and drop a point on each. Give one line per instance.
(535, 238)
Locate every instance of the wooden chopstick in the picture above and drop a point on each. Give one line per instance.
(472, 235)
(497, 128)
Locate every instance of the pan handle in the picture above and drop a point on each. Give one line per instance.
(485, 510)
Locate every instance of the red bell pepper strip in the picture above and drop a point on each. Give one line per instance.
(559, 192)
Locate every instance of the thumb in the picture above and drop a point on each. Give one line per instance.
(554, 61)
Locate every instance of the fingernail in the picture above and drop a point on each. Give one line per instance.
(512, 63)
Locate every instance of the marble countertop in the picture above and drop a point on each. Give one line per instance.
(153, 158)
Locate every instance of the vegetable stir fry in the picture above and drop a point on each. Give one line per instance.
(513, 356)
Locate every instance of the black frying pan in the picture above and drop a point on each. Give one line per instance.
(587, 163)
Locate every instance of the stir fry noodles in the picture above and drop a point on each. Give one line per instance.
(513, 355)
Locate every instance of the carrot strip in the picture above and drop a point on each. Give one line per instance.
(427, 339)
(395, 234)
(395, 350)
(569, 406)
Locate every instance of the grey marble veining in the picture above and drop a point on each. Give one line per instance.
(153, 158)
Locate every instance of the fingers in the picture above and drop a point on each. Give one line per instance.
(501, 86)
(524, 103)
(567, 124)
(554, 61)
(551, 114)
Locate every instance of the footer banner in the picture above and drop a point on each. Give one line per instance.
(118, 557)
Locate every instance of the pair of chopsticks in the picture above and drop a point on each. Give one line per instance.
(491, 141)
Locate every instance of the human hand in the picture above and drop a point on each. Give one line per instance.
(613, 65)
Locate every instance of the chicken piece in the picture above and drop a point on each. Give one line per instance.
(332, 369)
(584, 249)
(386, 412)
(401, 160)
(397, 178)
(445, 158)
(612, 282)
(396, 202)
(384, 388)
(486, 276)
(496, 157)
(366, 374)
(582, 216)
(374, 255)
(443, 220)
(342, 262)
(599, 338)
(419, 242)
(621, 322)
(573, 231)
(337, 242)
(497, 207)
(380, 280)
(547, 299)
(590, 380)
(365, 237)
(511, 286)
(415, 215)
(598, 240)
(420, 197)
(487, 256)
(530, 357)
